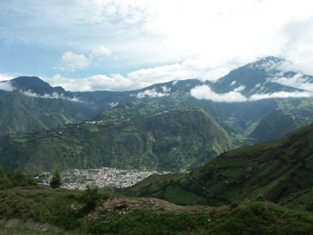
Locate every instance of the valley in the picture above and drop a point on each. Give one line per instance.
(234, 156)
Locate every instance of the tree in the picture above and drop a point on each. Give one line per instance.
(56, 179)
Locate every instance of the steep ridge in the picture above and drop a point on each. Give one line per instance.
(168, 141)
(36, 87)
(279, 170)
(32, 104)
(20, 113)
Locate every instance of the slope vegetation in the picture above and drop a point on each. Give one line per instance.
(66, 210)
(20, 113)
(279, 170)
(167, 141)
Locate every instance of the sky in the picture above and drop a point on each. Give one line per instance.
(117, 45)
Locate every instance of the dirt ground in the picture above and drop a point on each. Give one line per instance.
(120, 206)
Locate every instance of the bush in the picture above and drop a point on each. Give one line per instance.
(10, 179)
(91, 196)
(56, 179)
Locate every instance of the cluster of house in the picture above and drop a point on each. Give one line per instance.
(294, 117)
(103, 177)
(94, 122)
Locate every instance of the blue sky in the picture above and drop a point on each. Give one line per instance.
(125, 45)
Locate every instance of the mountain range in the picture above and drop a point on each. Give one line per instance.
(169, 126)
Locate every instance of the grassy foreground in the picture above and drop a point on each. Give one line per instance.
(27, 231)
(67, 212)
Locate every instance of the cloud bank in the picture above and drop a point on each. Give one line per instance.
(6, 86)
(48, 96)
(204, 92)
(140, 78)
(142, 41)
(281, 94)
(297, 81)
(151, 93)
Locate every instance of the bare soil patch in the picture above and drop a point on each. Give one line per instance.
(121, 206)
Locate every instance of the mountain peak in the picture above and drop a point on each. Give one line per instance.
(267, 63)
(37, 87)
(26, 82)
(269, 58)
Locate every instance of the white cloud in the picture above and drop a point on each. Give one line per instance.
(113, 104)
(299, 81)
(159, 74)
(150, 94)
(48, 96)
(140, 78)
(6, 86)
(100, 51)
(133, 80)
(175, 82)
(240, 88)
(196, 39)
(281, 94)
(297, 47)
(71, 62)
(115, 82)
(204, 92)
(166, 89)
(269, 65)
(5, 77)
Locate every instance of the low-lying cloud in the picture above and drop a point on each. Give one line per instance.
(166, 89)
(113, 104)
(281, 94)
(49, 96)
(299, 81)
(6, 86)
(139, 78)
(204, 92)
(150, 94)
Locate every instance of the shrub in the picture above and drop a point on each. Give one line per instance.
(56, 179)
(91, 196)
(10, 179)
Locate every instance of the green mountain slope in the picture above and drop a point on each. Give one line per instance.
(262, 120)
(168, 141)
(288, 115)
(280, 170)
(245, 122)
(20, 113)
